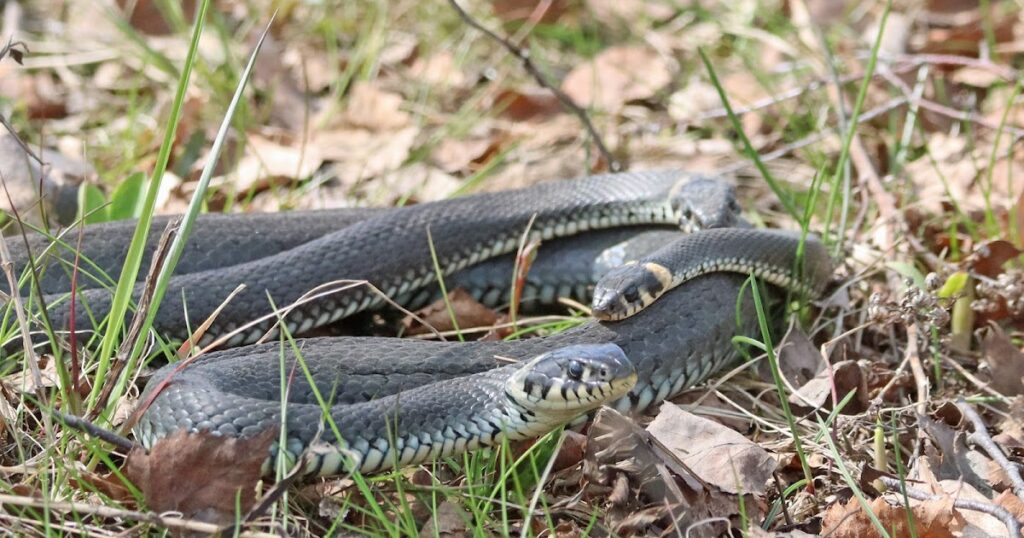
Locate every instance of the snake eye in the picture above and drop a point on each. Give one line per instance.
(687, 213)
(631, 295)
(575, 370)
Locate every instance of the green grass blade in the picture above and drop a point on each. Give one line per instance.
(195, 204)
(133, 257)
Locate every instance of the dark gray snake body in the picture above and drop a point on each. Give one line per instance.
(402, 401)
(355, 252)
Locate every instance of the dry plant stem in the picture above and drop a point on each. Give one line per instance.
(981, 438)
(135, 329)
(19, 310)
(982, 386)
(85, 426)
(869, 115)
(523, 55)
(107, 512)
(948, 59)
(960, 115)
(1012, 525)
(920, 379)
(792, 94)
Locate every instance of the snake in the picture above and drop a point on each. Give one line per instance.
(376, 403)
(373, 403)
(352, 251)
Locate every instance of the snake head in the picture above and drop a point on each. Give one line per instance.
(628, 289)
(572, 380)
(705, 203)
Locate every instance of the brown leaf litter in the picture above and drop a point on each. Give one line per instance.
(203, 476)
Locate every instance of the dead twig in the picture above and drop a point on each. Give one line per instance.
(523, 55)
(981, 438)
(81, 508)
(1012, 525)
(85, 426)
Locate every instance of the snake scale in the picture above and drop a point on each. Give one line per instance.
(395, 402)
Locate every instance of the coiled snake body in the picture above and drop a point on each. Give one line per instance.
(399, 401)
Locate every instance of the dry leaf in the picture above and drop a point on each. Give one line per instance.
(974, 524)
(546, 11)
(527, 104)
(201, 475)
(654, 490)
(450, 520)
(372, 108)
(955, 459)
(146, 17)
(617, 76)
(468, 313)
(988, 257)
(718, 455)
(453, 155)
(361, 154)
(574, 446)
(619, 12)
(1005, 362)
(266, 160)
(799, 359)
(438, 70)
(843, 377)
(418, 182)
(932, 519)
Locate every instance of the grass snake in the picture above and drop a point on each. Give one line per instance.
(397, 401)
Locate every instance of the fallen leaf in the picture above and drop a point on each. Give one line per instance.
(418, 182)
(266, 160)
(146, 17)
(843, 377)
(439, 69)
(468, 312)
(370, 107)
(449, 520)
(974, 523)
(453, 155)
(360, 154)
(624, 12)
(574, 446)
(932, 519)
(954, 459)
(693, 101)
(617, 76)
(546, 11)
(201, 475)
(654, 490)
(1005, 362)
(988, 257)
(799, 359)
(527, 104)
(977, 77)
(108, 484)
(718, 455)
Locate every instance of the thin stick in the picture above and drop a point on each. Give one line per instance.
(981, 438)
(85, 426)
(523, 55)
(105, 511)
(996, 511)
